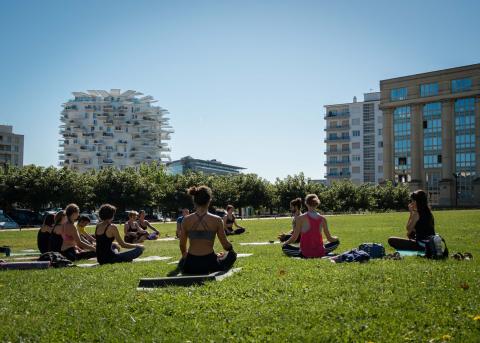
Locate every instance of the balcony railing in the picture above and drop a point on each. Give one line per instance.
(337, 138)
(334, 163)
(337, 127)
(338, 175)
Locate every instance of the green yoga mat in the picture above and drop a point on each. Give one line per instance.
(410, 253)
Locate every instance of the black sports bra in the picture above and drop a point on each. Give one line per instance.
(207, 234)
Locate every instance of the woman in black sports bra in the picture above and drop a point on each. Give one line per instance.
(229, 220)
(145, 224)
(56, 240)
(43, 236)
(200, 228)
(106, 233)
(420, 224)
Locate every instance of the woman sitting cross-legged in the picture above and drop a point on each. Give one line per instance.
(106, 233)
(420, 224)
(230, 220)
(133, 232)
(145, 224)
(56, 240)
(310, 225)
(200, 228)
(43, 236)
(295, 208)
(73, 247)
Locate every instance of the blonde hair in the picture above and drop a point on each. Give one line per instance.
(312, 200)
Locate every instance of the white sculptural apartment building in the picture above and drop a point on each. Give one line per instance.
(354, 140)
(112, 129)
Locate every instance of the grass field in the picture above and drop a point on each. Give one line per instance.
(273, 298)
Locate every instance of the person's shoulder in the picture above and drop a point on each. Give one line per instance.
(180, 219)
(215, 217)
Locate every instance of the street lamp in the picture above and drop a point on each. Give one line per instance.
(456, 175)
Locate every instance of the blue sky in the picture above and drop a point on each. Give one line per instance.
(245, 81)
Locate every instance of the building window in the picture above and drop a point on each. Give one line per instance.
(461, 85)
(380, 144)
(356, 121)
(355, 157)
(356, 133)
(429, 89)
(380, 169)
(432, 135)
(380, 157)
(401, 134)
(355, 170)
(397, 94)
(380, 132)
(433, 186)
(356, 145)
(465, 147)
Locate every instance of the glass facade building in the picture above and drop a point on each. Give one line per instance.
(431, 133)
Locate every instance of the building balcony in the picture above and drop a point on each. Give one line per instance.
(87, 148)
(122, 141)
(337, 139)
(107, 161)
(108, 134)
(338, 175)
(102, 115)
(89, 134)
(337, 163)
(337, 152)
(98, 142)
(333, 115)
(337, 128)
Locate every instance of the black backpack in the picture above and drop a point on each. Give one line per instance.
(434, 248)
(56, 259)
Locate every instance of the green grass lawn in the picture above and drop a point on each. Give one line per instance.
(274, 298)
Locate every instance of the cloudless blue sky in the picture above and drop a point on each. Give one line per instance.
(245, 81)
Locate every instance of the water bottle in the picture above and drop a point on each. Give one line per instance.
(437, 241)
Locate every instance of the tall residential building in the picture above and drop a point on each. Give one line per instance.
(432, 133)
(354, 141)
(102, 129)
(189, 163)
(11, 147)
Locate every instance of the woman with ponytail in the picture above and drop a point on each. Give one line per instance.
(200, 229)
(420, 224)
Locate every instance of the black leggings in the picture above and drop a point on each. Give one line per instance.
(293, 251)
(231, 231)
(202, 265)
(405, 244)
(72, 255)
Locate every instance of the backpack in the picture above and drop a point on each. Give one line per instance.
(56, 259)
(434, 248)
(375, 250)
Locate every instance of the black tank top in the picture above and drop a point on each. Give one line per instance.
(424, 227)
(56, 242)
(43, 241)
(104, 247)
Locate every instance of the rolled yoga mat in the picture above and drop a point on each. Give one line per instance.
(24, 265)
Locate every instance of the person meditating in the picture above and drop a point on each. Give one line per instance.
(133, 232)
(200, 228)
(43, 236)
(230, 220)
(145, 224)
(420, 224)
(310, 225)
(185, 212)
(295, 208)
(56, 240)
(73, 247)
(106, 233)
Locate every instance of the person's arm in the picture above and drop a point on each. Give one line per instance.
(151, 226)
(76, 236)
(183, 242)
(113, 229)
(296, 231)
(179, 229)
(412, 221)
(126, 226)
(329, 237)
(235, 223)
(227, 246)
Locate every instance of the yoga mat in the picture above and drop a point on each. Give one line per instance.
(24, 265)
(166, 239)
(26, 254)
(410, 253)
(184, 280)
(260, 243)
(140, 259)
(30, 250)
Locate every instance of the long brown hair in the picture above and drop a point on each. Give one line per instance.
(421, 200)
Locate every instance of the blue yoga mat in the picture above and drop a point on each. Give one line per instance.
(410, 253)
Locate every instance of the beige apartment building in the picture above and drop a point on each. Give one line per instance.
(11, 147)
(431, 133)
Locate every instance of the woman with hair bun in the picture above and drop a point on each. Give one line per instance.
(310, 226)
(420, 224)
(296, 210)
(201, 228)
(230, 220)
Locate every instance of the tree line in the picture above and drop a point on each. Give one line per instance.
(151, 187)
